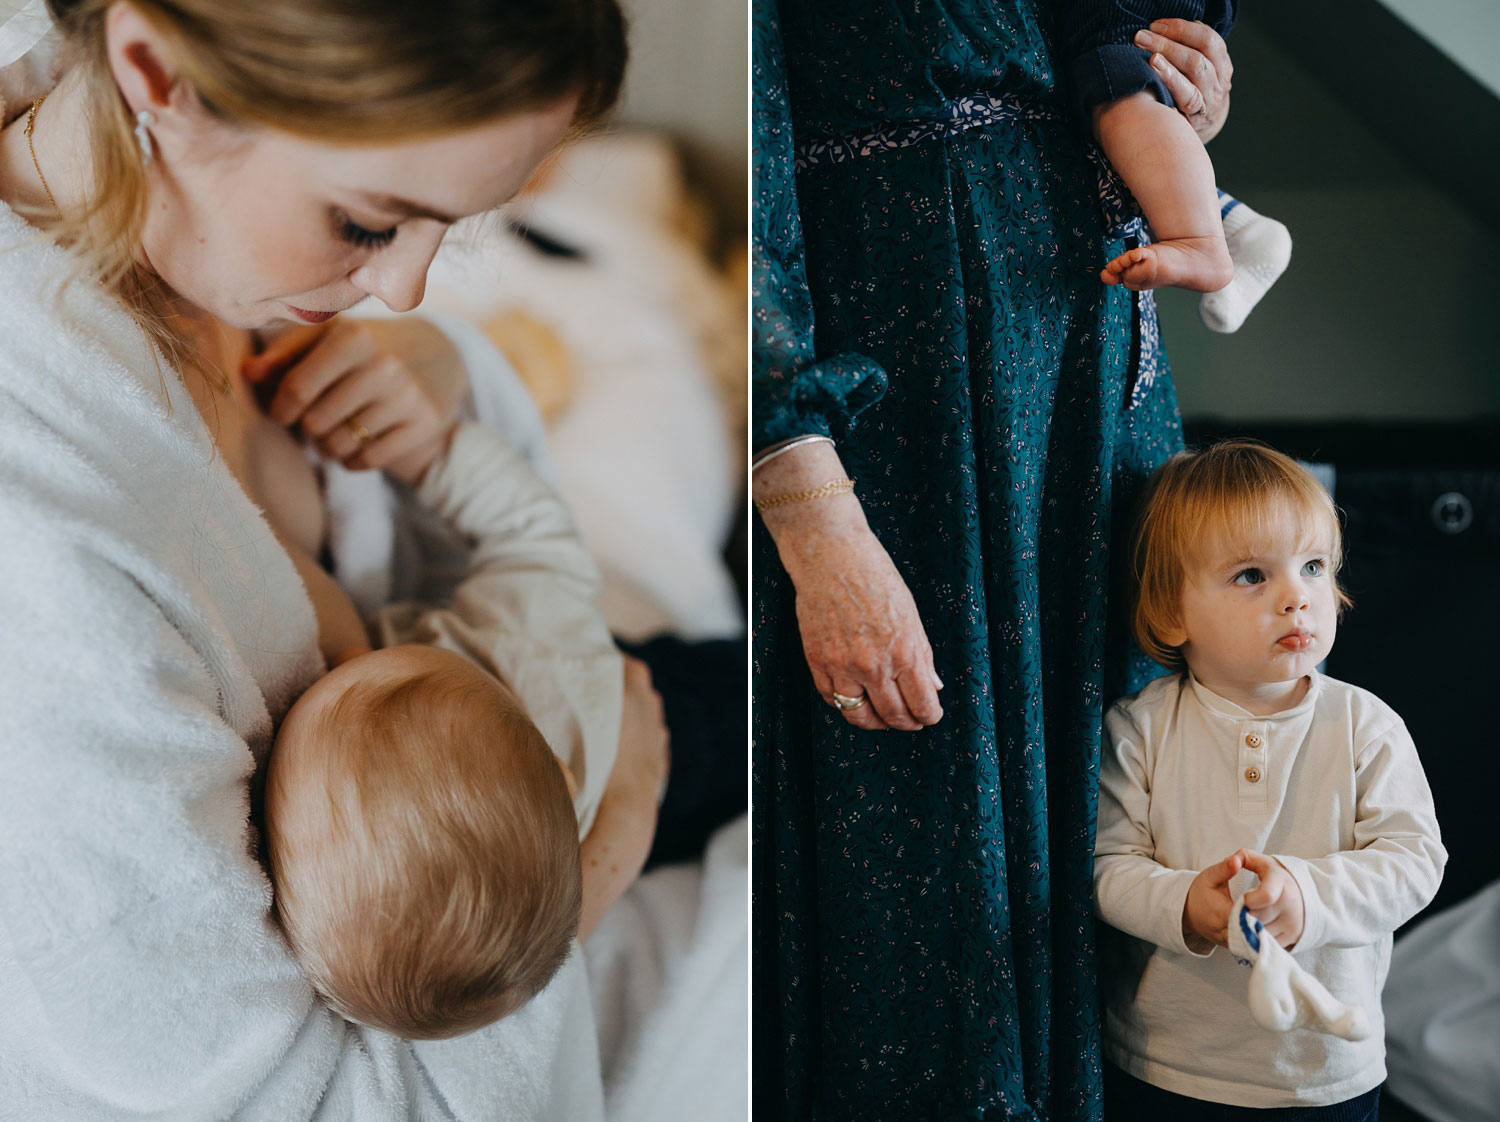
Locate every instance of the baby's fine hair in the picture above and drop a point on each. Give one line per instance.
(424, 850)
(1232, 491)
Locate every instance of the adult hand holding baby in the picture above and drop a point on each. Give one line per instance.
(1193, 62)
(372, 394)
(615, 850)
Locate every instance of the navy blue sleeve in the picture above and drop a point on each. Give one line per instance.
(1096, 45)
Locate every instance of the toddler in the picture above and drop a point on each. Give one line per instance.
(1248, 761)
(1205, 240)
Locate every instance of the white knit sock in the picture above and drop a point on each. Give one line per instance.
(1284, 996)
(1260, 248)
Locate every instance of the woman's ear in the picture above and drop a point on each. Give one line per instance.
(140, 60)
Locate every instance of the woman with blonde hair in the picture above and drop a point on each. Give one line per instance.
(200, 171)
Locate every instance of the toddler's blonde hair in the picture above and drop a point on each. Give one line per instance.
(424, 850)
(1231, 491)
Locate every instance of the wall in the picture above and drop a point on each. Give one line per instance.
(1387, 307)
(689, 74)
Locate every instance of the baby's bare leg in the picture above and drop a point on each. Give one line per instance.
(1166, 167)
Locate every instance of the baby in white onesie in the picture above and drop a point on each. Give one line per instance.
(422, 831)
(425, 801)
(1248, 761)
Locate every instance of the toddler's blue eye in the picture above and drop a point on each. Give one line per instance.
(364, 238)
(1249, 577)
(1314, 568)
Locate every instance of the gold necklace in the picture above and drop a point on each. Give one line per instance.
(30, 126)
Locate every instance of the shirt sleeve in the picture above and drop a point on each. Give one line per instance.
(526, 609)
(1133, 891)
(1358, 896)
(794, 392)
(1097, 46)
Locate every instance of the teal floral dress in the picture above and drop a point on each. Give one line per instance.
(928, 234)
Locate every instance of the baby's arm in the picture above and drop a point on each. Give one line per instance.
(1166, 167)
(1132, 889)
(1358, 896)
(526, 608)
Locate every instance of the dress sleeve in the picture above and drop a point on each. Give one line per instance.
(526, 609)
(1097, 50)
(1133, 891)
(795, 392)
(1356, 897)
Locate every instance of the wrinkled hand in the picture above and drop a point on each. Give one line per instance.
(1193, 62)
(861, 632)
(1205, 913)
(1277, 901)
(368, 393)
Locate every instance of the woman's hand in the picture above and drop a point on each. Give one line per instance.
(614, 852)
(860, 628)
(645, 755)
(368, 393)
(1193, 62)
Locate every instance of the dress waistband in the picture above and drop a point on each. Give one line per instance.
(961, 114)
(1122, 217)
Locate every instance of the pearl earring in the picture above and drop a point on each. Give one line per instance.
(143, 121)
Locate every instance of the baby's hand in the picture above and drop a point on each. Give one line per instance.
(1277, 902)
(1205, 913)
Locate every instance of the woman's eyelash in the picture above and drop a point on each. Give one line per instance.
(364, 238)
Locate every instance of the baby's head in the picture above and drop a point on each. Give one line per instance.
(423, 844)
(1234, 566)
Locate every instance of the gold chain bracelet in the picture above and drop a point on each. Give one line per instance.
(832, 487)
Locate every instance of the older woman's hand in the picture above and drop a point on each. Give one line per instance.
(861, 632)
(860, 629)
(370, 393)
(1193, 62)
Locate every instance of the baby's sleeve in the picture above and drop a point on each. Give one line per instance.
(526, 608)
(1097, 46)
(1133, 891)
(1393, 870)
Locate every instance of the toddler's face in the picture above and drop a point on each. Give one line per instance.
(1261, 615)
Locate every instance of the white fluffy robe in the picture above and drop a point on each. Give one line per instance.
(153, 631)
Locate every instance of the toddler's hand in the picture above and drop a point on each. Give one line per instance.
(1277, 902)
(1205, 913)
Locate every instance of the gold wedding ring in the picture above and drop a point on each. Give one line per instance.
(848, 703)
(359, 432)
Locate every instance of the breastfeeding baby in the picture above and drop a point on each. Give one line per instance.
(425, 800)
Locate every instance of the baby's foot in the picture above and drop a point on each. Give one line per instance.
(1199, 264)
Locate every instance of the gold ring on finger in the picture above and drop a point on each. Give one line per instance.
(847, 703)
(359, 432)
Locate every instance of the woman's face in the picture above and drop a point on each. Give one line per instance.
(256, 226)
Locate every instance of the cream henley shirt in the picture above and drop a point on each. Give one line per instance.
(1333, 789)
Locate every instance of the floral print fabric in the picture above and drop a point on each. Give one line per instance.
(923, 936)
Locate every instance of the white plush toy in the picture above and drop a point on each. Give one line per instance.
(1284, 996)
